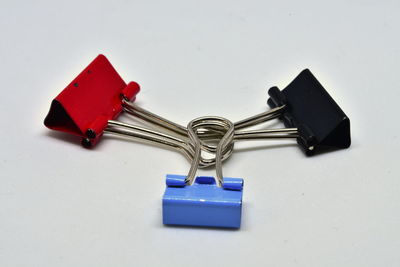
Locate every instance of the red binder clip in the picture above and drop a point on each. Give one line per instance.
(89, 105)
(93, 98)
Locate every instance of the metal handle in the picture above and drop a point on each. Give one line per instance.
(227, 140)
(207, 129)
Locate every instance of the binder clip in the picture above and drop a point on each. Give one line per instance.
(89, 105)
(309, 112)
(307, 106)
(204, 201)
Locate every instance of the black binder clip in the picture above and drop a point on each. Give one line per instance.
(321, 123)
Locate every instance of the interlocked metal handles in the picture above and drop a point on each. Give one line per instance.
(206, 123)
(207, 129)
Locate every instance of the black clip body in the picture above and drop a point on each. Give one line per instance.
(320, 121)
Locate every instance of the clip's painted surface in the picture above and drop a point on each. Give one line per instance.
(203, 203)
(95, 96)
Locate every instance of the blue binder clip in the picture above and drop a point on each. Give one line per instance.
(204, 201)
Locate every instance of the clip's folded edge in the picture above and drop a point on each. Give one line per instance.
(203, 204)
(84, 107)
(321, 123)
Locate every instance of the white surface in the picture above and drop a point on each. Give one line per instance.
(61, 205)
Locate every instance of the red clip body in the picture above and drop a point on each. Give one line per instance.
(95, 96)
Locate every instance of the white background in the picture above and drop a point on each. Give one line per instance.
(62, 205)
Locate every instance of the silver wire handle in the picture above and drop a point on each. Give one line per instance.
(226, 140)
(146, 115)
(208, 132)
(213, 133)
(149, 136)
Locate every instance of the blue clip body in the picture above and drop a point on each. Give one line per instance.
(203, 203)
